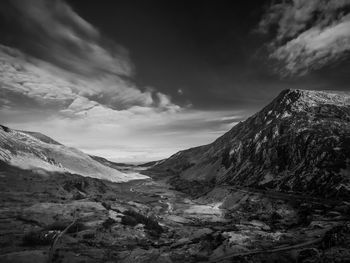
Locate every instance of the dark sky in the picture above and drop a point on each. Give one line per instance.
(211, 50)
(210, 54)
(204, 48)
(192, 67)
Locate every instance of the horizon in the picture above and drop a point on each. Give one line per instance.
(136, 82)
(147, 161)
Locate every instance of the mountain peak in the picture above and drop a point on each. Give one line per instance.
(292, 102)
(302, 99)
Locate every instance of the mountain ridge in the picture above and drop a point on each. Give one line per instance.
(298, 142)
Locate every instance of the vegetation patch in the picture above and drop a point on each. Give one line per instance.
(133, 218)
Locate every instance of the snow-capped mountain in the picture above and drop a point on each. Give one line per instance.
(300, 142)
(31, 150)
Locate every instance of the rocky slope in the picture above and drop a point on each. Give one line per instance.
(35, 151)
(300, 142)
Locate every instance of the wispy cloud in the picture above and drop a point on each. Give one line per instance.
(46, 84)
(308, 34)
(72, 58)
(53, 31)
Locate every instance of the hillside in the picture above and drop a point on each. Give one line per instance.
(300, 142)
(35, 151)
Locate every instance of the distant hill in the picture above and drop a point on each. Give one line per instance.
(150, 164)
(109, 163)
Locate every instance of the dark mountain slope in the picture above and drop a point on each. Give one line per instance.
(299, 142)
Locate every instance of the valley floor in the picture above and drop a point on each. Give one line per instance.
(47, 217)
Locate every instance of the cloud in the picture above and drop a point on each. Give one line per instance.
(53, 31)
(64, 57)
(46, 84)
(308, 34)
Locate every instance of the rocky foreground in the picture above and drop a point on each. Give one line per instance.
(56, 217)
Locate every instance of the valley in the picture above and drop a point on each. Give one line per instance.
(148, 221)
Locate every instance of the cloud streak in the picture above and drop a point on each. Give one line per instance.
(53, 31)
(45, 84)
(308, 34)
(72, 59)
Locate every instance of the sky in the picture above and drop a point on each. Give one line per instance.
(137, 81)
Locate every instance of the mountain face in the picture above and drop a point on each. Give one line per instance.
(35, 151)
(300, 142)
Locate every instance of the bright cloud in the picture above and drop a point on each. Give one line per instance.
(310, 34)
(53, 31)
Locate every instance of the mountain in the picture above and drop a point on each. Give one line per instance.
(32, 150)
(300, 142)
(109, 163)
(150, 164)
